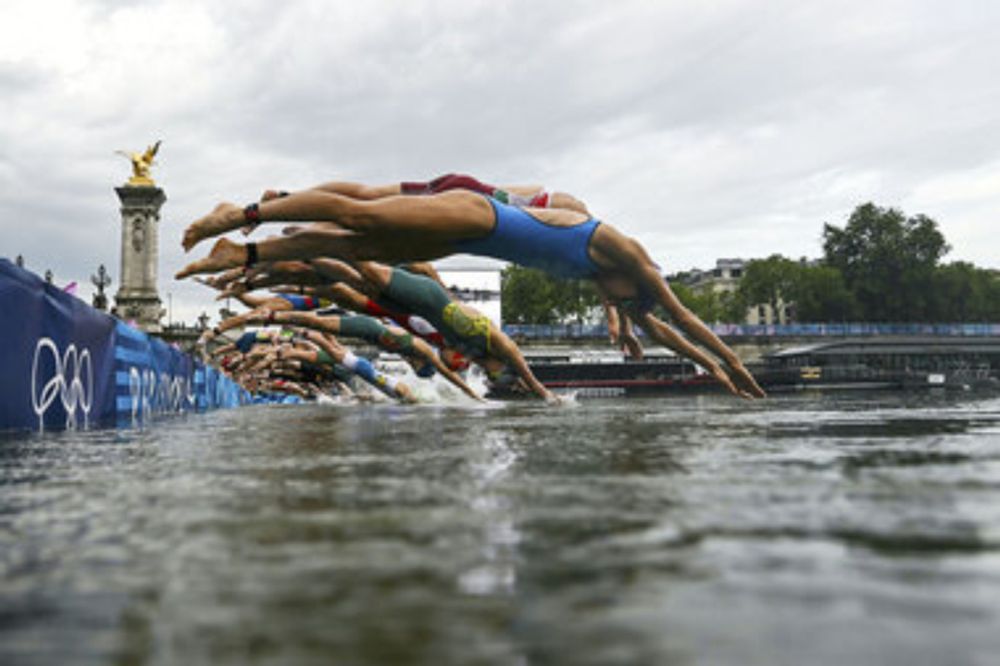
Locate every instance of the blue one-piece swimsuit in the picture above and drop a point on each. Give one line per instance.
(521, 238)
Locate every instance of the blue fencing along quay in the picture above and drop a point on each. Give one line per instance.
(67, 365)
(840, 330)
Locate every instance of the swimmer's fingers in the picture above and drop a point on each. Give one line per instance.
(633, 347)
(746, 381)
(724, 379)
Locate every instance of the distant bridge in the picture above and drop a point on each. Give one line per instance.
(573, 331)
(752, 340)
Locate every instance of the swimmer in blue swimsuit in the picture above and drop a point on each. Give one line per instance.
(399, 229)
(521, 238)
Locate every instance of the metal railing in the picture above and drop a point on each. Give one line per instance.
(588, 331)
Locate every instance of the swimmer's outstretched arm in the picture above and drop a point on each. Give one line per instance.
(619, 326)
(668, 337)
(428, 353)
(503, 347)
(363, 368)
(696, 328)
(626, 337)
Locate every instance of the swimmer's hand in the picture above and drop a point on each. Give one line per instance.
(631, 346)
(742, 377)
(406, 395)
(727, 383)
(552, 400)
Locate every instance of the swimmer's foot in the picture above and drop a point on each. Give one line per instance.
(225, 254)
(272, 194)
(232, 290)
(225, 217)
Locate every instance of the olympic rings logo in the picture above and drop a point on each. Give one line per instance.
(162, 394)
(72, 382)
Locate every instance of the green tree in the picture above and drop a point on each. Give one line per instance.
(963, 292)
(887, 261)
(819, 294)
(530, 296)
(710, 306)
(769, 281)
(526, 297)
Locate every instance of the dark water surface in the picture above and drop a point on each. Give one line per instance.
(805, 529)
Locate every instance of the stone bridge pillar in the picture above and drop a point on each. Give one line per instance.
(137, 298)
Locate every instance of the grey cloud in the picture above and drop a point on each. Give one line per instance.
(704, 130)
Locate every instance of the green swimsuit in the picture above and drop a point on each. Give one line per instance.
(423, 296)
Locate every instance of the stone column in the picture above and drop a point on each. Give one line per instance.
(137, 298)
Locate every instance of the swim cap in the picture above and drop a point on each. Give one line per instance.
(453, 360)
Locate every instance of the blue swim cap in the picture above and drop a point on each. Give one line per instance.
(426, 370)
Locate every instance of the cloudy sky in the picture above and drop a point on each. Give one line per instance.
(705, 129)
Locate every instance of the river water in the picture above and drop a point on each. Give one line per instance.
(804, 529)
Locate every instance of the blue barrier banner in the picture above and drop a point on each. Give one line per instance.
(67, 365)
(151, 377)
(56, 353)
(214, 390)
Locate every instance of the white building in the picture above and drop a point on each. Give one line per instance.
(725, 279)
(474, 280)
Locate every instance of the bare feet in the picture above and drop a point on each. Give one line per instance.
(232, 290)
(225, 217)
(225, 254)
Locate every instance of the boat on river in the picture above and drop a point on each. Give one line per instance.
(891, 362)
(847, 363)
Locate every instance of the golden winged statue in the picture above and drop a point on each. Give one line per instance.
(141, 163)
